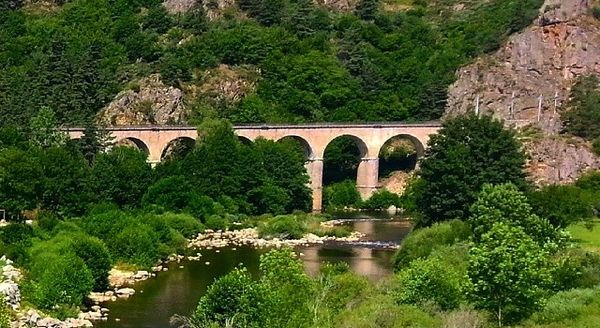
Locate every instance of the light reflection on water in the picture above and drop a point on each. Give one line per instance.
(178, 290)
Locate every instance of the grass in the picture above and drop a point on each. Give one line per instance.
(589, 239)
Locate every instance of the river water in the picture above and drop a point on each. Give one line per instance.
(178, 290)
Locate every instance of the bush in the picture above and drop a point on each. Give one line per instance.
(96, 257)
(382, 199)
(429, 281)
(65, 280)
(566, 305)
(187, 225)
(4, 314)
(596, 142)
(90, 250)
(136, 244)
(589, 181)
(217, 222)
(420, 243)
(576, 268)
(563, 205)
(382, 312)
(234, 295)
(283, 227)
(14, 240)
(342, 194)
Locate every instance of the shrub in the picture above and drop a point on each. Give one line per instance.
(420, 243)
(16, 233)
(382, 312)
(217, 222)
(90, 250)
(565, 305)
(589, 181)
(576, 268)
(4, 314)
(64, 280)
(343, 289)
(464, 317)
(283, 226)
(563, 205)
(382, 199)
(96, 257)
(596, 12)
(136, 244)
(234, 295)
(342, 194)
(429, 281)
(187, 225)
(596, 142)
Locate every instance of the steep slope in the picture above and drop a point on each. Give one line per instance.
(537, 67)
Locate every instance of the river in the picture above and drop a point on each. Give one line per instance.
(178, 290)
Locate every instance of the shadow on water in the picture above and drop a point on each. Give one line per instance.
(178, 290)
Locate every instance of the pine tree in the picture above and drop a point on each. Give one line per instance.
(366, 9)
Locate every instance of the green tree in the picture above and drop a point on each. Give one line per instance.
(95, 139)
(20, 183)
(509, 273)
(563, 205)
(505, 203)
(366, 9)
(121, 176)
(467, 152)
(43, 130)
(583, 114)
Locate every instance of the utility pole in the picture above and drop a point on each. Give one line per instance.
(539, 113)
(512, 106)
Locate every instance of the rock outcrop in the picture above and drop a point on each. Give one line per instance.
(543, 60)
(213, 8)
(148, 101)
(554, 159)
(528, 81)
(223, 85)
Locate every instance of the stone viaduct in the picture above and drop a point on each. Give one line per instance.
(369, 138)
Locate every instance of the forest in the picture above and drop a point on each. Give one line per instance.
(313, 64)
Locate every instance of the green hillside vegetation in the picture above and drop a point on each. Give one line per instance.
(315, 64)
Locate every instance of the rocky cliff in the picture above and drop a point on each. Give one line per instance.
(529, 79)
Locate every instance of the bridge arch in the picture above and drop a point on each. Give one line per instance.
(134, 142)
(309, 152)
(177, 147)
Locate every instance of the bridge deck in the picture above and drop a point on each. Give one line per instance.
(270, 126)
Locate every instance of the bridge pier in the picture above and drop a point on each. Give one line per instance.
(314, 168)
(367, 177)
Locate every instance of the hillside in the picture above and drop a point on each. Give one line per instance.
(547, 59)
(146, 61)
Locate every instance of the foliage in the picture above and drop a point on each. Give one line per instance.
(284, 227)
(468, 152)
(233, 296)
(422, 242)
(583, 115)
(340, 195)
(381, 199)
(563, 205)
(121, 176)
(567, 305)
(589, 181)
(4, 314)
(43, 130)
(576, 268)
(429, 281)
(596, 146)
(505, 203)
(508, 272)
(64, 280)
(382, 311)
